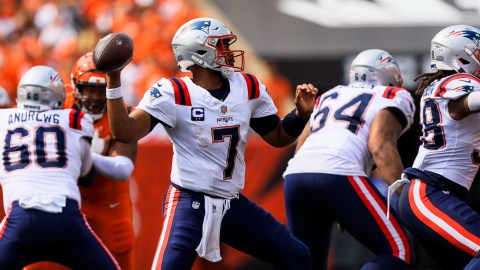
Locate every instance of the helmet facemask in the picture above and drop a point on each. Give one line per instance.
(92, 100)
(226, 58)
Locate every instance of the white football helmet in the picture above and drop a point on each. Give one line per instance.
(41, 88)
(457, 48)
(206, 42)
(4, 98)
(375, 67)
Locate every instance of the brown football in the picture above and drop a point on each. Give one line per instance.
(113, 52)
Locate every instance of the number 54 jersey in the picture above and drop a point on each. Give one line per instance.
(41, 152)
(449, 147)
(340, 127)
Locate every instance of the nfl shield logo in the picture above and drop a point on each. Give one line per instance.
(224, 109)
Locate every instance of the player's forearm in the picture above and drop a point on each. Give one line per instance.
(388, 162)
(120, 123)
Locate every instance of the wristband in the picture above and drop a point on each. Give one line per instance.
(293, 125)
(114, 93)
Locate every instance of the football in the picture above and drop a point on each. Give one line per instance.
(113, 52)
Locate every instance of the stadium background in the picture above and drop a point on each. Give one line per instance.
(287, 42)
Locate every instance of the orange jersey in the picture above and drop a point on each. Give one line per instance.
(102, 188)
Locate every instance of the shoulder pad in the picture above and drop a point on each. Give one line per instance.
(456, 85)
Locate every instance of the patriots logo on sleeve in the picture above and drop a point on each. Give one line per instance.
(465, 88)
(154, 93)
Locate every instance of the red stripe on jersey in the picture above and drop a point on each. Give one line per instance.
(169, 213)
(401, 251)
(182, 96)
(317, 101)
(75, 119)
(441, 90)
(188, 100)
(252, 85)
(417, 196)
(390, 92)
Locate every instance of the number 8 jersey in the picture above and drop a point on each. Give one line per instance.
(209, 135)
(340, 127)
(449, 147)
(41, 152)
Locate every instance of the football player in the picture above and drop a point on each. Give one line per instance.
(352, 128)
(207, 117)
(433, 202)
(45, 150)
(106, 201)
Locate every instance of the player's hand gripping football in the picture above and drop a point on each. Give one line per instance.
(305, 95)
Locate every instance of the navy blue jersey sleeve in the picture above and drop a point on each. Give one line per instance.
(264, 125)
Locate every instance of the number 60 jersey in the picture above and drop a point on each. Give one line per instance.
(41, 152)
(340, 127)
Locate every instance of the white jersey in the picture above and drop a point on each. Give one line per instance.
(340, 127)
(41, 153)
(209, 136)
(450, 148)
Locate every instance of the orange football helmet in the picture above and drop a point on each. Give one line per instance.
(85, 75)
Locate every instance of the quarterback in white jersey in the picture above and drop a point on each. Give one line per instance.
(352, 127)
(208, 117)
(214, 129)
(45, 150)
(433, 202)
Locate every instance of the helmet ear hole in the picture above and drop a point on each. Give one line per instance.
(464, 61)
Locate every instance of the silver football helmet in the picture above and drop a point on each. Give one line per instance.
(206, 42)
(4, 98)
(375, 67)
(41, 88)
(457, 48)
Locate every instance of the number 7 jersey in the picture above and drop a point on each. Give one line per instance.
(449, 147)
(340, 127)
(209, 135)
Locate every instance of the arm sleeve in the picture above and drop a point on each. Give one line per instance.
(264, 125)
(116, 168)
(86, 157)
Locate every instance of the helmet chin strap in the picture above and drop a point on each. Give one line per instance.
(95, 116)
(227, 72)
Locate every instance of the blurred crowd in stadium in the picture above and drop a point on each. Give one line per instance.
(57, 32)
